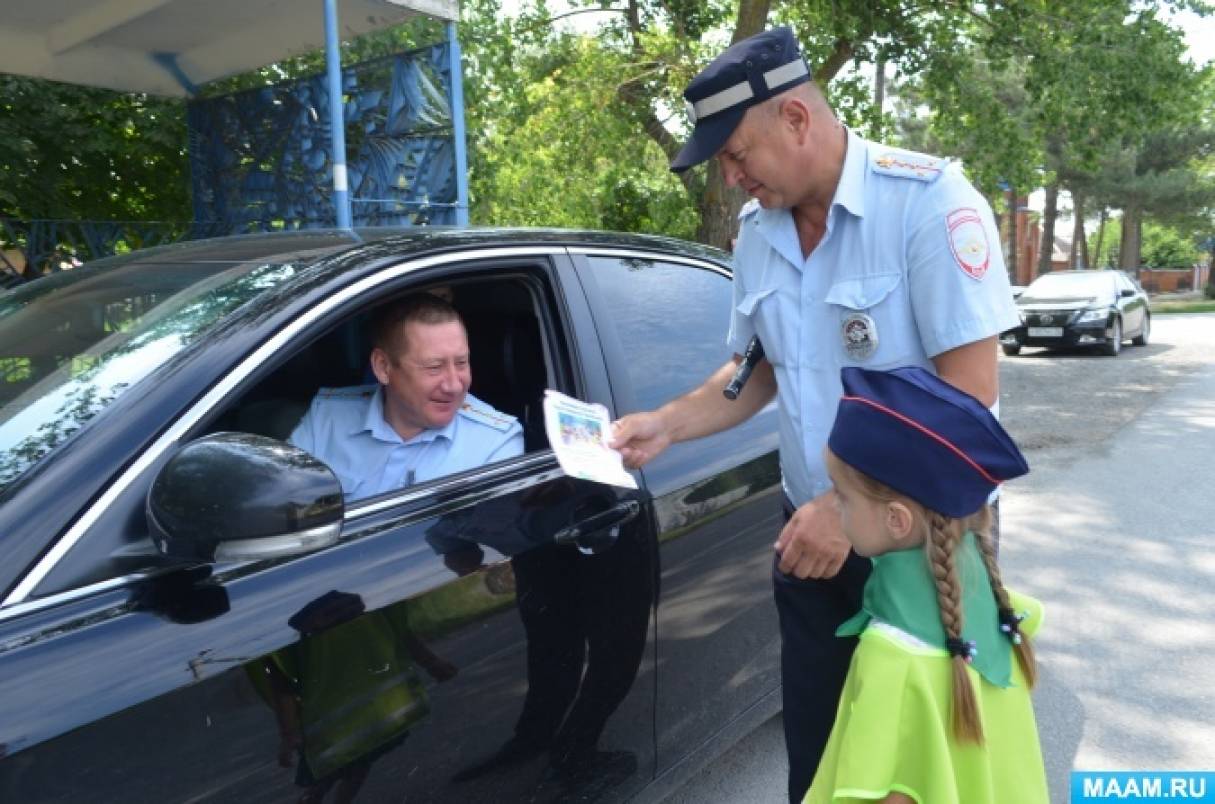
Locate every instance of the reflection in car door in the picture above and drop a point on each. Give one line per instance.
(392, 665)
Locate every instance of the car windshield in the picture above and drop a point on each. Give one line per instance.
(72, 343)
(1050, 286)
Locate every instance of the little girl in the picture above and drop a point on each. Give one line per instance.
(936, 708)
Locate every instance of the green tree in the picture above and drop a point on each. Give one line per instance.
(77, 152)
(1167, 247)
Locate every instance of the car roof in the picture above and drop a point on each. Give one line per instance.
(313, 244)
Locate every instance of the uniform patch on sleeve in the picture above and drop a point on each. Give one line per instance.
(968, 241)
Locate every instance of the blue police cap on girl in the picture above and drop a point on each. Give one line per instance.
(749, 72)
(923, 438)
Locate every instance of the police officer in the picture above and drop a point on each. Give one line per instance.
(420, 422)
(850, 253)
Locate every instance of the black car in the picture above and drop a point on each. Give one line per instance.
(190, 612)
(1064, 309)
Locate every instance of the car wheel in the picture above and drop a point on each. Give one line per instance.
(1010, 349)
(1113, 344)
(1142, 338)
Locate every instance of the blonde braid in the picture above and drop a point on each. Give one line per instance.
(944, 536)
(1023, 648)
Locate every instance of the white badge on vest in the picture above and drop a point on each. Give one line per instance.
(860, 336)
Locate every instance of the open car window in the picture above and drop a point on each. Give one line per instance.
(515, 344)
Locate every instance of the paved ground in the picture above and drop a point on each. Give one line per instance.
(1115, 530)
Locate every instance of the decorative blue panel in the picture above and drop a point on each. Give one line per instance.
(260, 159)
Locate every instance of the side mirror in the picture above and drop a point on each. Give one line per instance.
(237, 496)
(1126, 292)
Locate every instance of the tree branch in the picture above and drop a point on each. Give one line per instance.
(835, 62)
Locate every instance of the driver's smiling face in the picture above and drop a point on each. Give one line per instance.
(425, 384)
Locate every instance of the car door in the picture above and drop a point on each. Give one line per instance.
(396, 665)
(1132, 303)
(662, 321)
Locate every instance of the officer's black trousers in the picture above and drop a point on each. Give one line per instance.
(814, 661)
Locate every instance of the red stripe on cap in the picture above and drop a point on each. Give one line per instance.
(933, 435)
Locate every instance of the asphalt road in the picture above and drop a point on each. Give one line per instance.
(1114, 528)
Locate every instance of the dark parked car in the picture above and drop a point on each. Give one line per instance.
(191, 612)
(1100, 309)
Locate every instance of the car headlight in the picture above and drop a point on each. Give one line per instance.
(1021, 315)
(1093, 315)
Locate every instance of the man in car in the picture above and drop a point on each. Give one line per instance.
(850, 253)
(420, 422)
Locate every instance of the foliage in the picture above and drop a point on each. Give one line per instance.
(566, 129)
(1166, 247)
(70, 152)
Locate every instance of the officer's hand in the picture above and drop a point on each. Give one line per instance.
(639, 438)
(812, 544)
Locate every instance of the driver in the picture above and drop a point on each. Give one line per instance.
(419, 422)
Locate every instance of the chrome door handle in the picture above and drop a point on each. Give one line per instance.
(599, 532)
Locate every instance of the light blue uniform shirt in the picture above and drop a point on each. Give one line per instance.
(910, 266)
(345, 428)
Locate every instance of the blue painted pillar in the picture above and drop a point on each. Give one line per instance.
(337, 117)
(457, 123)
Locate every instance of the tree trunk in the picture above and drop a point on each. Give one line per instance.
(718, 207)
(1132, 240)
(1079, 255)
(1100, 237)
(1049, 213)
(1012, 237)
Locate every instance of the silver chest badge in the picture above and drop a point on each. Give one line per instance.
(860, 336)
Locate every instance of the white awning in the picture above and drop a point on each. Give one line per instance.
(164, 47)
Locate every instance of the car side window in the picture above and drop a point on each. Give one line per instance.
(343, 419)
(671, 320)
(511, 324)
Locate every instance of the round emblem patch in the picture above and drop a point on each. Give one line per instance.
(860, 336)
(968, 241)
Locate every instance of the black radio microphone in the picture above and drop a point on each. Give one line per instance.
(753, 354)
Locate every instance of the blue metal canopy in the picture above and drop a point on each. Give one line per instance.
(171, 47)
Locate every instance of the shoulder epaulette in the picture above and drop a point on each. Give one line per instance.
(480, 412)
(748, 208)
(907, 164)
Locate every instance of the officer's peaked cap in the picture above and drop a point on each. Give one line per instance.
(924, 438)
(749, 72)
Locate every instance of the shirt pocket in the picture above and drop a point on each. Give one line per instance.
(764, 310)
(871, 319)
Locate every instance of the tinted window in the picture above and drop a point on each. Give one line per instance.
(73, 342)
(671, 321)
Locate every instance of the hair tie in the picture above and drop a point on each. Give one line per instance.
(964, 649)
(1010, 624)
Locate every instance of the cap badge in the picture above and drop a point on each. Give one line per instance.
(860, 336)
(968, 241)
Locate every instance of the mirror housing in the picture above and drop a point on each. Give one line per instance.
(1126, 292)
(238, 496)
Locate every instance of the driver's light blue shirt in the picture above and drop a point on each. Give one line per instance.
(345, 428)
(910, 266)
